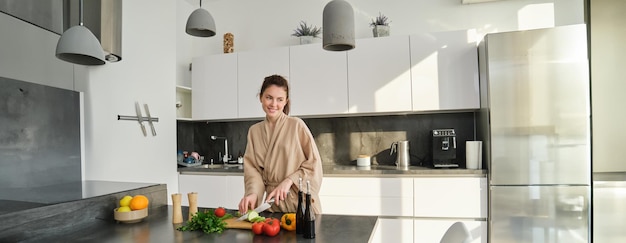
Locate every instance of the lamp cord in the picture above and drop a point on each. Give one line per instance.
(201, 3)
(80, 14)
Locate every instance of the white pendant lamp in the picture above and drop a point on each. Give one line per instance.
(338, 26)
(200, 23)
(78, 45)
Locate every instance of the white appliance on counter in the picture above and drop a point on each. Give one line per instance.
(535, 124)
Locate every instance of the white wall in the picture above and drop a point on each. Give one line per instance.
(270, 23)
(117, 150)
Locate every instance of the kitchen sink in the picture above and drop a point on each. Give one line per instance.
(213, 166)
(221, 166)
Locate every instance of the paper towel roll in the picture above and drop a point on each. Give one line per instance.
(473, 155)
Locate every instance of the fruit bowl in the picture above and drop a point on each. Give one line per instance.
(130, 216)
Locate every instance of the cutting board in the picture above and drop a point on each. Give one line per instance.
(232, 223)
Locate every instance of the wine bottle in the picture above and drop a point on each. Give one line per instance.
(300, 210)
(309, 216)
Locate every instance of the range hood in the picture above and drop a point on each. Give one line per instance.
(103, 18)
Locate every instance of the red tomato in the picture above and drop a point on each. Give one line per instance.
(272, 227)
(220, 212)
(257, 228)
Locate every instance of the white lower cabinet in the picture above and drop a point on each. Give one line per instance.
(423, 230)
(419, 209)
(367, 196)
(455, 197)
(434, 230)
(393, 230)
(213, 190)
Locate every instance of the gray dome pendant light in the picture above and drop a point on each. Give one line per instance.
(338, 26)
(78, 45)
(200, 23)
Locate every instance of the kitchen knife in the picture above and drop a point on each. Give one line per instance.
(140, 118)
(264, 206)
(149, 119)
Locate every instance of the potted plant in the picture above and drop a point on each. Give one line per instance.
(306, 32)
(380, 25)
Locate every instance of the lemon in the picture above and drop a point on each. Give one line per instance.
(123, 209)
(125, 201)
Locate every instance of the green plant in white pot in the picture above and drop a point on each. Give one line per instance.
(380, 25)
(306, 32)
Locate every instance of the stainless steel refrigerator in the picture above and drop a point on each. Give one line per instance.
(535, 125)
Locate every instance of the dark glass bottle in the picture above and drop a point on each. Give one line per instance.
(309, 216)
(300, 210)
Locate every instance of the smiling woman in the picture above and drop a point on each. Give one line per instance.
(280, 151)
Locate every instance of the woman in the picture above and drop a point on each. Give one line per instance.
(280, 150)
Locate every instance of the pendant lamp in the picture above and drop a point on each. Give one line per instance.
(200, 23)
(78, 45)
(338, 26)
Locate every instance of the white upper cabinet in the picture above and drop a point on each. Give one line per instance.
(379, 75)
(444, 70)
(214, 79)
(319, 81)
(422, 72)
(254, 66)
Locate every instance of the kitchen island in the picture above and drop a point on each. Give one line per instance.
(418, 204)
(158, 227)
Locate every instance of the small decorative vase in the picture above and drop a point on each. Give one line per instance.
(307, 39)
(381, 30)
(229, 43)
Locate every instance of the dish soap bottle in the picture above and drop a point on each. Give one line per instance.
(309, 216)
(300, 210)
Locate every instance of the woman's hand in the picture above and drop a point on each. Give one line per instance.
(246, 203)
(280, 192)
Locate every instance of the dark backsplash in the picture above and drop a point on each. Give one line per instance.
(341, 140)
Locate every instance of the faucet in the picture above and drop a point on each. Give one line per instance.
(226, 157)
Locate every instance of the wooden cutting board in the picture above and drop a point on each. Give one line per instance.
(232, 223)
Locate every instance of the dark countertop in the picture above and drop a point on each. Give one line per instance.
(347, 170)
(158, 227)
(22, 198)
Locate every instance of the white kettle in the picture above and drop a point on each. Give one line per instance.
(403, 158)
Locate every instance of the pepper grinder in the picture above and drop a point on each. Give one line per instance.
(193, 204)
(177, 212)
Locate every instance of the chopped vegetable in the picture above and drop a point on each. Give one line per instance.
(206, 221)
(288, 221)
(254, 217)
(252, 214)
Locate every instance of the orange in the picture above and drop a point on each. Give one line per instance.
(138, 202)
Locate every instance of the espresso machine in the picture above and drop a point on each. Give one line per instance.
(444, 148)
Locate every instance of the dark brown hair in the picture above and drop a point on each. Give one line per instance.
(280, 82)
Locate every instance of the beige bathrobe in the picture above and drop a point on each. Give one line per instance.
(288, 152)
